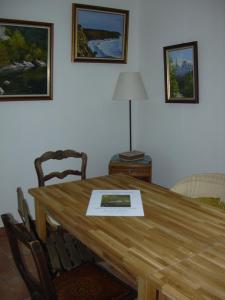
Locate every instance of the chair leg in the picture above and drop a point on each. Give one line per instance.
(160, 296)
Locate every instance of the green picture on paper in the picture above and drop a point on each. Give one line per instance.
(115, 201)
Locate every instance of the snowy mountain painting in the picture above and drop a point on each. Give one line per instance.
(181, 72)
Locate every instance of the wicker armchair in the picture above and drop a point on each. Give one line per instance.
(202, 185)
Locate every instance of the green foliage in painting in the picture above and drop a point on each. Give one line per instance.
(188, 85)
(82, 41)
(174, 87)
(23, 44)
(180, 85)
(4, 55)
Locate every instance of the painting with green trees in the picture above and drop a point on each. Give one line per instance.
(25, 60)
(115, 201)
(181, 73)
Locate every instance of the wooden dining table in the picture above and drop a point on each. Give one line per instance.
(175, 251)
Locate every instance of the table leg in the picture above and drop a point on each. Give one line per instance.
(40, 220)
(147, 290)
(162, 297)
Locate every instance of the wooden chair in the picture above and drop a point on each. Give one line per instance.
(63, 250)
(59, 155)
(86, 282)
(82, 251)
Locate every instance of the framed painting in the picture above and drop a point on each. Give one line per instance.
(99, 34)
(181, 73)
(26, 55)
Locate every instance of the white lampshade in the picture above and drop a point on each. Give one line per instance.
(130, 86)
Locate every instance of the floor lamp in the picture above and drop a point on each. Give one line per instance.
(130, 87)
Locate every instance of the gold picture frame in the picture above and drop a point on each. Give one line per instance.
(26, 60)
(99, 34)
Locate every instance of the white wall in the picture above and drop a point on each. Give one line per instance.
(183, 138)
(82, 115)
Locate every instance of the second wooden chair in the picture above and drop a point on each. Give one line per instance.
(84, 282)
(63, 250)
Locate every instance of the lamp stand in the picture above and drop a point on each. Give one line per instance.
(131, 155)
(130, 125)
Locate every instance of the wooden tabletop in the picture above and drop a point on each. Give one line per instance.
(177, 248)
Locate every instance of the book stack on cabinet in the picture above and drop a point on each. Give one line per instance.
(131, 155)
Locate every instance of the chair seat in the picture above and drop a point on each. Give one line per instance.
(77, 284)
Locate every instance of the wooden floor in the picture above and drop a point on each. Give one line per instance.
(11, 284)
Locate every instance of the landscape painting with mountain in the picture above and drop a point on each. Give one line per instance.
(25, 60)
(100, 34)
(181, 73)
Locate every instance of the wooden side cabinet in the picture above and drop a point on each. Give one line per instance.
(141, 169)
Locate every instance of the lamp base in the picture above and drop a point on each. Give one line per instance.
(132, 155)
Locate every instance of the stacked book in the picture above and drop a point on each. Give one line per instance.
(132, 155)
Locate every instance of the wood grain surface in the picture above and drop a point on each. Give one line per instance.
(132, 168)
(176, 251)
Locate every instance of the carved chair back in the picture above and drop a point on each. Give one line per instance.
(59, 155)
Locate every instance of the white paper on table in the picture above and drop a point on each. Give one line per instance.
(131, 199)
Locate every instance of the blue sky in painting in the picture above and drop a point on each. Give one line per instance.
(180, 55)
(100, 20)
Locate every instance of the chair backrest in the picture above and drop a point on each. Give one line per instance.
(202, 185)
(59, 155)
(24, 212)
(41, 287)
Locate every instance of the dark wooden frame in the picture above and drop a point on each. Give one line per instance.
(75, 57)
(181, 99)
(50, 28)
